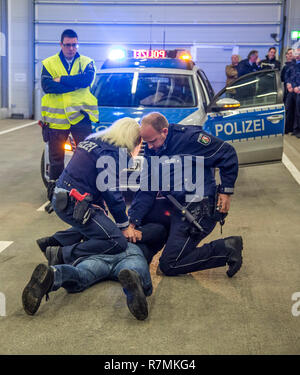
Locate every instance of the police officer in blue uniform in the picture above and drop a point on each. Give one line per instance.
(95, 160)
(293, 86)
(181, 254)
(289, 98)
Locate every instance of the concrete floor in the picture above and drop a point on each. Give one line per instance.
(200, 313)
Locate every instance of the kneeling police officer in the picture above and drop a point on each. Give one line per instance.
(79, 200)
(188, 223)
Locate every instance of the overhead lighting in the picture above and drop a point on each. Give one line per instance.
(117, 54)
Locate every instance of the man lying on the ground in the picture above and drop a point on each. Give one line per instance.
(129, 267)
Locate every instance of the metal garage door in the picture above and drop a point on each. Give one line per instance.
(212, 30)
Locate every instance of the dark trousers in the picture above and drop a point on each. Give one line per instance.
(290, 107)
(297, 115)
(101, 234)
(181, 254)
(154, 237)
(56, 141)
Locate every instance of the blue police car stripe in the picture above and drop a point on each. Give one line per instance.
(110, 114)
(242, 125)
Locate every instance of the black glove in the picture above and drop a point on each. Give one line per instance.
(82, 210)
(50, 189)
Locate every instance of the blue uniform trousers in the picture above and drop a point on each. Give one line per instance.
(181, 254)
(100, 232)
(56, 141)
(290, 107)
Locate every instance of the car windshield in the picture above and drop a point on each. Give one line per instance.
(144, 89)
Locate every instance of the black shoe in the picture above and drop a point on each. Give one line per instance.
(136, 299)
(44, 242)
(54, 255)
(39, 285)
(298, 135)
(234, 245)
(49, 208)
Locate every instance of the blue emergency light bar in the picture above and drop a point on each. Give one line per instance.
(176, 59)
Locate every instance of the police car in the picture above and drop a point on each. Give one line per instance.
(249, 113)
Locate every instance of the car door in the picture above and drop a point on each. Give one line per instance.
(256, 127)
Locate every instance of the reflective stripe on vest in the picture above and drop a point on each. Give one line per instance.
(63, 110)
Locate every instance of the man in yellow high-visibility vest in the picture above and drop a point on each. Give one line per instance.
(68, 105)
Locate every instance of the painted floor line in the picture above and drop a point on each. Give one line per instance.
(291, 168)
(4, 245)
(42, 208)
(18, 127)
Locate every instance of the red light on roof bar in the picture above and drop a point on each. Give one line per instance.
(149, 54)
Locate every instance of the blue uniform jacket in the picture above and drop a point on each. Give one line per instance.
(190, 140)
(82, 172)
(244, 67)
(294, 74)
(67, 83)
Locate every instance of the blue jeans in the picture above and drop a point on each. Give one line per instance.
(100, 267)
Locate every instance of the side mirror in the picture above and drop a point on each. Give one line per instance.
(225, 104)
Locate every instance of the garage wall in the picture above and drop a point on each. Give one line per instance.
(212, 30)
(293, 21)
(17, 74)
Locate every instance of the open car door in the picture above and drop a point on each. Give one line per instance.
(250, 114)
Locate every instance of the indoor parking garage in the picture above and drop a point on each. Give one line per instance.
(101, 257)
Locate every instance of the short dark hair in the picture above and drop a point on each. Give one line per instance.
(252, 53)
(156, 120)
(68, 34)
(272, 48)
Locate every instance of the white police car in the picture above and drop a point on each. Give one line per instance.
(249, 113)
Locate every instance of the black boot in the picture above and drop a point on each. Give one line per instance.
(44, 242)
(136, 299)
(54, 255)
(39, 285)
(234, 245)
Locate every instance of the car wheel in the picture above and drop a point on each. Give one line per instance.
(44, 178)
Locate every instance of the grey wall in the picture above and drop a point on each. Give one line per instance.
(293, 21)
(19, 40)
(212, 30)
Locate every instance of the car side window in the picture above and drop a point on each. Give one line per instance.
(253, 90)
(204, 96)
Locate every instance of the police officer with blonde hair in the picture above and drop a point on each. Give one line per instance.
(95, 162)
(68, 105)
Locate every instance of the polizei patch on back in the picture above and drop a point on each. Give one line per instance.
(204, 139)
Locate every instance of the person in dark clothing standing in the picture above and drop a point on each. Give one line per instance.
(270, 62)
(249, 65)
(289, 98)
(293, 86)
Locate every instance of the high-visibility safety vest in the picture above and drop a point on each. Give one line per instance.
(61, 111)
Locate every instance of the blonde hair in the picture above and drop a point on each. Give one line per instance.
(123, 133)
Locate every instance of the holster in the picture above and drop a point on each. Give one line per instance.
(198, 210)
(62, 200)
(82, 211)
